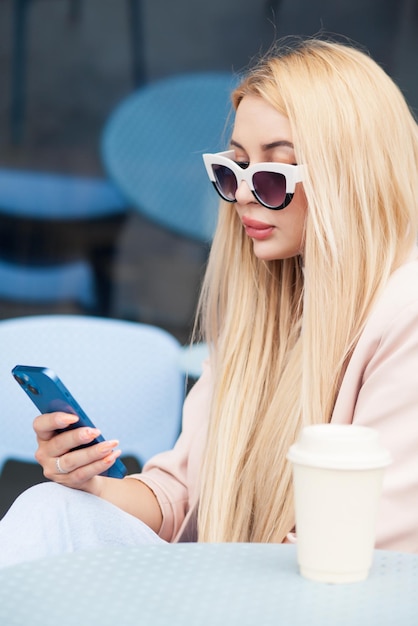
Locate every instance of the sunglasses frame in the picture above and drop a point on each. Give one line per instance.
(292, 173)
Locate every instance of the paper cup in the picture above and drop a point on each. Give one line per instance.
(337, 475)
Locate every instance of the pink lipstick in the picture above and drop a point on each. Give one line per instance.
(257, 230)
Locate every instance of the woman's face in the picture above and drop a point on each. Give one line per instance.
(261, 134)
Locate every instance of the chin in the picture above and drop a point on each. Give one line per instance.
(268, 252)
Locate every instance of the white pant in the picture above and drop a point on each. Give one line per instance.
(50, 519)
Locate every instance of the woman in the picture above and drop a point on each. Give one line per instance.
(309, 304)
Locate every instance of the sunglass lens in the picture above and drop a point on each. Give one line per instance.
(270, 188)
(226, 182)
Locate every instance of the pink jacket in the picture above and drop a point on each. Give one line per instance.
(379, 389)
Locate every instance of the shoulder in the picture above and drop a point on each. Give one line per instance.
(398, 301)
(199, 396)
(387, 346)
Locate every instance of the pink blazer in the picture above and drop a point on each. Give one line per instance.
(379, 389)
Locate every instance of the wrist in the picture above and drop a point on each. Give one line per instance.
(95, 486)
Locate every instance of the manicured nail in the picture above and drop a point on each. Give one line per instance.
(65, 420)
(111, 458)
(87, 434)
(107, 446)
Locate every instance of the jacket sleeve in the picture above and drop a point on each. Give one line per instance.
(173, 475)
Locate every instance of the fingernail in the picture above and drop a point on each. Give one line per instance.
(65, 420)
(107, 446)
(87, 434)
(111, 458)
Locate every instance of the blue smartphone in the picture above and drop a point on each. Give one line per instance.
(49, 394)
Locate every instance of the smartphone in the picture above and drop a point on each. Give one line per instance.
(49, 394)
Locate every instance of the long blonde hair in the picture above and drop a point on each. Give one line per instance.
(281, 331)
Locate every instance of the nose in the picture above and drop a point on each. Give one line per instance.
(243, 194)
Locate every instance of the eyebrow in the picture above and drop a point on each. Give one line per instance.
(268, 146)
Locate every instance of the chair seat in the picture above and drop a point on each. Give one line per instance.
(40, 195)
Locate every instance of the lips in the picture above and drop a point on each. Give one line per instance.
(257, 230)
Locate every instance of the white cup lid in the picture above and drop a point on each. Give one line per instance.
(339, 446)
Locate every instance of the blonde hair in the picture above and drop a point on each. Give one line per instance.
(282, 333)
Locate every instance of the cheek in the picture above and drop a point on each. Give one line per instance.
(291, 223)
(300, 207)
(299, 199)
(292, 219)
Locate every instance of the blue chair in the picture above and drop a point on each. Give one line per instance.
(152, 145)
(127, 377)
(61, 197)
(49, 223)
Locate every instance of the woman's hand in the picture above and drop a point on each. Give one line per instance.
(80, 468)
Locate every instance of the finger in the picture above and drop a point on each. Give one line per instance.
(81, 465)
(58, 466)
(65, 441)
(46, 425)
(83, 474)
(61, 443)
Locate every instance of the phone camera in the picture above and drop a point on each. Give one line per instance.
(25, 382)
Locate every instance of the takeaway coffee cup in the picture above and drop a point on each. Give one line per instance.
(337, 476)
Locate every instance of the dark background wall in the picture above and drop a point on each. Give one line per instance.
(79, 70)
(80, 67)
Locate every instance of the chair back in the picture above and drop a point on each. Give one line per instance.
(152, 146)
(52, 228)
(125, 375)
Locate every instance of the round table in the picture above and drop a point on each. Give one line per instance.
(152, 148)
(202, 584)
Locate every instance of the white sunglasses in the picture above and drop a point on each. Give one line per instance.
(272, 184)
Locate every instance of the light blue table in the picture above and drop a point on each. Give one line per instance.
(152, 148)
(202, 584)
